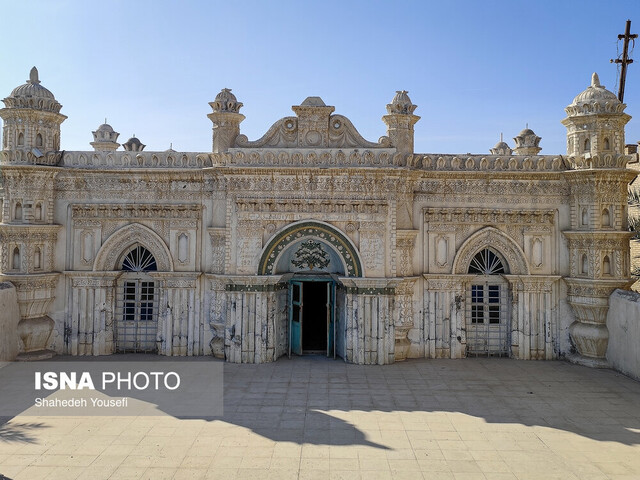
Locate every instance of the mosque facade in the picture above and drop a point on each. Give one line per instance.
(312, 239)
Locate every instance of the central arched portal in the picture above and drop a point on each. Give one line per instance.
(312, 255)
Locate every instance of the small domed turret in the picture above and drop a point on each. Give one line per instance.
(226, 118)
(38, 131)
(595, 122)
(401, 103)
(527, 143)
(226, 102)
(133, 145)
(595, 93)
(501, 148)
(400, 121)
(32, 95)
(105, 138)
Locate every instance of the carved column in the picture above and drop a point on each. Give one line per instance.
(405, 243)
(404, 318)
(217, 299)
(218, 237)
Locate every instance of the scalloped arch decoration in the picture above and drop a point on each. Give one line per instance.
(120, 242)
(490, 237)
(322, 231)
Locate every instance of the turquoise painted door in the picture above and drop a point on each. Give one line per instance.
(295, 318)
(331, 319)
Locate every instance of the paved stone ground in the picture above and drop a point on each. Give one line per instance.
(310, 417)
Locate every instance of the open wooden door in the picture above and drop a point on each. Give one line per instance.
(295, 318)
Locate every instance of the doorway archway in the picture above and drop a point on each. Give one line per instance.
(313, 315)
(137, 303)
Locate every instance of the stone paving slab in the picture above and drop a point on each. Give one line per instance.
(314, 418)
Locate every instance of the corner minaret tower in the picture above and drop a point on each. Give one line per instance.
(28, 234)
(400, 121)
(226, 118)
(598, 240)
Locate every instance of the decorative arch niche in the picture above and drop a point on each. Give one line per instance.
(507, 250)
(110, 255)
(334, 243)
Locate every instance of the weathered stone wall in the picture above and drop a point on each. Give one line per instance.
(623, 322)
(9, 318)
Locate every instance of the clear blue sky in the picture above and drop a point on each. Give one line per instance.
(474, 68)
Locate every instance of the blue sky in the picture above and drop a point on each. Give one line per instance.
(474, 68)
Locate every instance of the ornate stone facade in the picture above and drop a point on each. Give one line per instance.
(313, 238)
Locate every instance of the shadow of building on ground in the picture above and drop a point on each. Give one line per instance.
(304, 399)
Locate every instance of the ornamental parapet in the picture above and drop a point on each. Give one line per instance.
(30, 157)
(308, 157)
(499, 163)
(124, 159)
(589, 161)
(384, 158)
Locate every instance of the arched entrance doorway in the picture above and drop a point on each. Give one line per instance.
(313, 314)
(312, 255)
(137, 303)
(487, 319)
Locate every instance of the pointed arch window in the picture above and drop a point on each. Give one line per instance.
(487, 313)
(606, 218)
(137, 303)
(486, 262)
(139, 259)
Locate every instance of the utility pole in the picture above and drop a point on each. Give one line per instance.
(625, 58)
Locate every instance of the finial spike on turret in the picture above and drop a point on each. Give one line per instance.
(595, 80)
(33, 76)
(501, 137)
